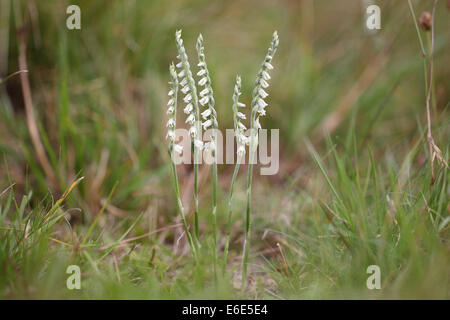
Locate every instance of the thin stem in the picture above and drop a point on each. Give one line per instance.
(29, 110)
(432, 89)
(180, 206)
(252, 151)
(214, 208)
(247, 217)
(411, 8)
(230, 213)
(2, 80)
(196, 224)
(241, 140)
(430, 85)
(249, 192)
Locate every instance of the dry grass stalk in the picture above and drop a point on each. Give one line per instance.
(433, 149)
(29, 111)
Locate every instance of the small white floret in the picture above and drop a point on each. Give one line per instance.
(190, 119)
(187, 98)
(170, 123)
(185, 89)
(207, 124)
(206, 113)
(262, 93)
(263, 83)
(242, 126)
(188, 108)
(261, 103)
(204, 100)
(170, 135)
(177, 148)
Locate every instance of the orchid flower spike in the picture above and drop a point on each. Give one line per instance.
(261, 84)
(239, 127)
(172, 112)
(209, 115)
(189, 89)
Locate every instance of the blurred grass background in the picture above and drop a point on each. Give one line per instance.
(99, 97)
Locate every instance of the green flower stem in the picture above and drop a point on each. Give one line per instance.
(214, 206)
(196, 224)
(247, 215)
(230, 213)
(210, 119)
(180, 204)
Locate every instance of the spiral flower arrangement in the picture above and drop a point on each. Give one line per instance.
(258, 107)
(207, 119)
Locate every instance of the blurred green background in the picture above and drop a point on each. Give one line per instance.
(100, 93)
